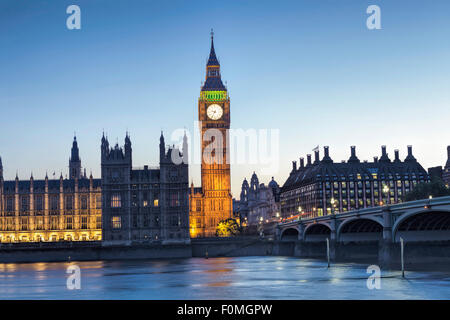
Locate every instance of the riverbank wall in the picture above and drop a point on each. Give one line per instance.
(387, 255)
(93, 252)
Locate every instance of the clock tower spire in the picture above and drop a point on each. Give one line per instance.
(214, 203)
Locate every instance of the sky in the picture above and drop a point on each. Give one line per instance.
(308, 68)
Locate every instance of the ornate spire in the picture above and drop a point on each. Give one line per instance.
(212, 61)
(213, 81)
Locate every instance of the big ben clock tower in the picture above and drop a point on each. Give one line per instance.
(214, 202)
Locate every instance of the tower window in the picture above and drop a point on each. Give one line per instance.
(116, 201)
(116, 222)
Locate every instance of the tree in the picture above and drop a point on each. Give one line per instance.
(227, 228)
(424, 190)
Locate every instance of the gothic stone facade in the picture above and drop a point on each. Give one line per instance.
(51, 210)
(212, 203)
(259, 203)
(146, 204)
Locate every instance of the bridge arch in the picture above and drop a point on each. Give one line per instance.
(360, 230)
(317, 232)
(423, 225)
(289, 234)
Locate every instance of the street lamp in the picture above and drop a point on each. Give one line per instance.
(386, 191)
(332, 201)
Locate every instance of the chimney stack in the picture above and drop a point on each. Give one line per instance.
(294, 165)
(410, 156)
(397, 155)
(316, 157)
(308, 160)
(375, 159)
(353, 157)
(302, 162)
(383, 150)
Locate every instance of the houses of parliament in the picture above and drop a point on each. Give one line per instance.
(127, 204)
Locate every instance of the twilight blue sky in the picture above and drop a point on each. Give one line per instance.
(310, 68)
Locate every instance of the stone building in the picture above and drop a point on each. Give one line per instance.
(324, 187)
(446, 173)
(259, 203)
(144, 204)
(51, 210)
(212, 202)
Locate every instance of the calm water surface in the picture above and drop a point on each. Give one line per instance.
(216, 278)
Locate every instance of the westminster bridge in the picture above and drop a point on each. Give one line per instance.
(424, 225)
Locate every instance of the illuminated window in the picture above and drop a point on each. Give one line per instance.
(84, 202)
(115, 201)
(24, 224)
(98, 202)
(155, 203)
(54, 223)
(69, 223)
(116, 222)
(145, 203)
(39, 223)
(84, 222)
(98, 223)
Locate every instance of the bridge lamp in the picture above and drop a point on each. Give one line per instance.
(386, 189)
(300, 209)
(332, 201)
(277, 214)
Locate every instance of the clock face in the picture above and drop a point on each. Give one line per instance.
(214, 111)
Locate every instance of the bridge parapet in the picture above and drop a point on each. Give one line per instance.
(388, 216)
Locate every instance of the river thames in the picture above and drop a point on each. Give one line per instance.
(216, 278)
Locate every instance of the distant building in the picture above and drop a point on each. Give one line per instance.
(435, 173)
(145, 204)
(325, 187)
(446, 173)
(51, 210)
(259, 203)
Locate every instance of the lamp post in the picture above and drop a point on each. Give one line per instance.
(386, 191)
(332, 201)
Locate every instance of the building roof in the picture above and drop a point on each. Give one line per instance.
(39, 185)
(349, 171)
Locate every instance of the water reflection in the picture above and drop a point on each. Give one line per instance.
(215, 278)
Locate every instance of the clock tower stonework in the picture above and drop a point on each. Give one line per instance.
(212, 203)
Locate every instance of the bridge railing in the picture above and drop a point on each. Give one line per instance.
(397, 206)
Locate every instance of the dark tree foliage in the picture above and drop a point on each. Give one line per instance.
(424, 190)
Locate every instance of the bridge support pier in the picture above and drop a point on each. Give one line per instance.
(388, 254)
